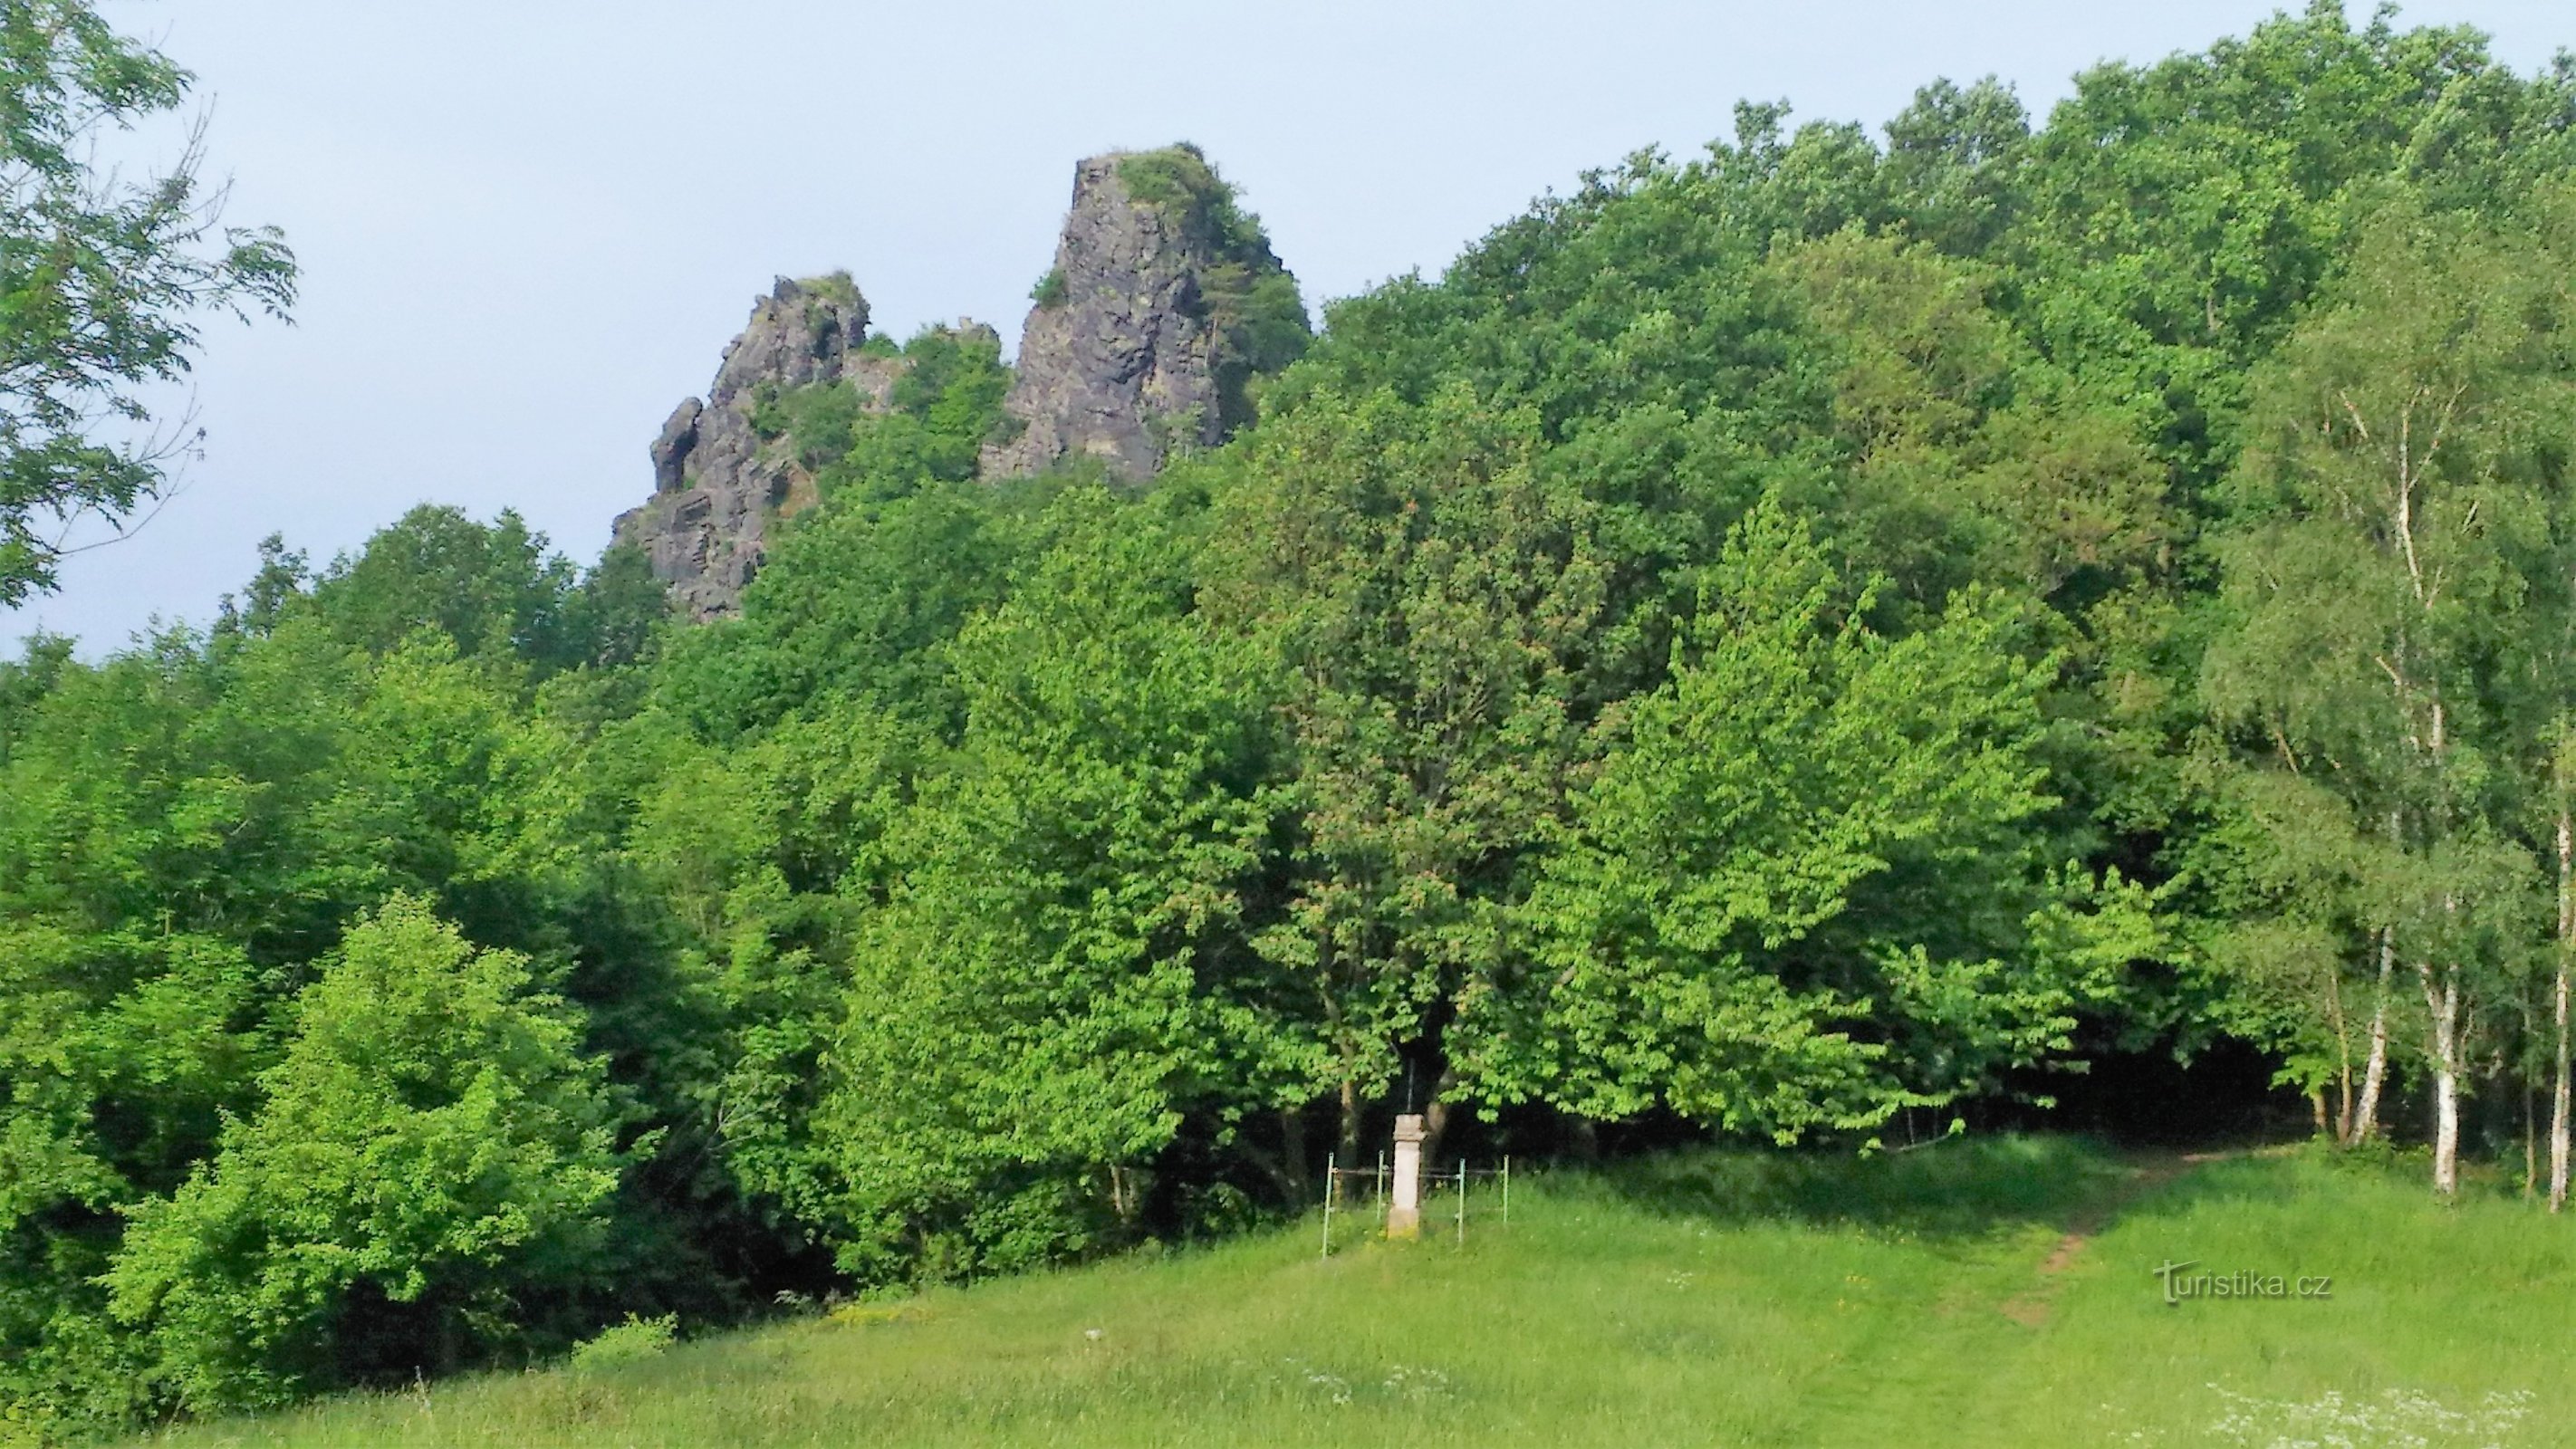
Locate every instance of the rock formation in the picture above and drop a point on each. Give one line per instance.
(716, 482)
(1164, 304)
(1163, 298)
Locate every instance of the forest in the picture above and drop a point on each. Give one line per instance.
(1833, 638)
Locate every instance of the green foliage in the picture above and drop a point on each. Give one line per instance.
(1763, 644)
(1741, 923)
(944, 405)
(1251, 300)
(103, 279)
(833, 287)
(1049, 291)
(1426, 591)
(2393, 618)
(185, 831)
(489, 590)
(637, 1340)
(1048, 988)
(850, 607)
(431, 1145)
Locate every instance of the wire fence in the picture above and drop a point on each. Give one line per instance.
(1359, 1191)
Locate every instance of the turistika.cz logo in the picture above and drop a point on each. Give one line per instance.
(2181, 1283)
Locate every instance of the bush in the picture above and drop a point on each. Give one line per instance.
(433, 1143)
(633, 1341)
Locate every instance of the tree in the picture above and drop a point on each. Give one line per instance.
(102, 281)
(2392, 533)
(1425, 589)
(1737, 923)
(1057, 980)
(492, 589)
(119, 1051)
(432, 1147)
(2295, 925)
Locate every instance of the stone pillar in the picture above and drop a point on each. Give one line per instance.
(1404, 1203)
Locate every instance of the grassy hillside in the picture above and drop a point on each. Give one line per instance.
(1997, 1292)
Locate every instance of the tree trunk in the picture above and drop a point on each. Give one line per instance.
(2364, 1119)
(2558, 1099)
(2332, 1126)
(1127, 1187)
(1435, 1115)
(2442, 1001)
(2531, 1138)
(1350, 1139)
(1292, 1153)
(2558, 1095)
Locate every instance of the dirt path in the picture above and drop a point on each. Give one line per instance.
(2031, 1308)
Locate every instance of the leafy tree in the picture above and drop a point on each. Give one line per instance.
(1738, 923)
(26, 680)
(1425, 590)
(2391, 521)
(491, 590)
(1056, 979)
(102, 280)
(432, 1146)
(119, 1052)
(850, 609)
(1955, 163)
(2181, 213)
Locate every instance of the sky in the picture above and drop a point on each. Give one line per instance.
(527, 228)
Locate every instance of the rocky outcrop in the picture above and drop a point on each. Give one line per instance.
(1164, 305)
(1163, 300)
(717, 483)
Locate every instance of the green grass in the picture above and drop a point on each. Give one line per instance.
(1704, 1299)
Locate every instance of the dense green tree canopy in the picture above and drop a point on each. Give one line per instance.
(1772, 644)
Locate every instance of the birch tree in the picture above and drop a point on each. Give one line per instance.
(2391, 521)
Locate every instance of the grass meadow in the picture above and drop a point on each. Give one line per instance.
(1984, 1292)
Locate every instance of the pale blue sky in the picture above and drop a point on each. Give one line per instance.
(529, 226)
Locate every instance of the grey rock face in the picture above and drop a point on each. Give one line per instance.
(671, 450)
(1165, 308)
(716, 484)
(1118, 364)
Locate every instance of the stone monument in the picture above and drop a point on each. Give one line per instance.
(1404, 1203)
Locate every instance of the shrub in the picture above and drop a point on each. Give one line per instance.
(633, 1341)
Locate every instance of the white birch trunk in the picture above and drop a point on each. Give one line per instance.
(2374, 1073)
(2558, 1102)
(2443, 1002)
(2558, 1097)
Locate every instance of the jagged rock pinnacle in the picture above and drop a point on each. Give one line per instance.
(1164, 299)
(715, 483)
(1164, 305)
